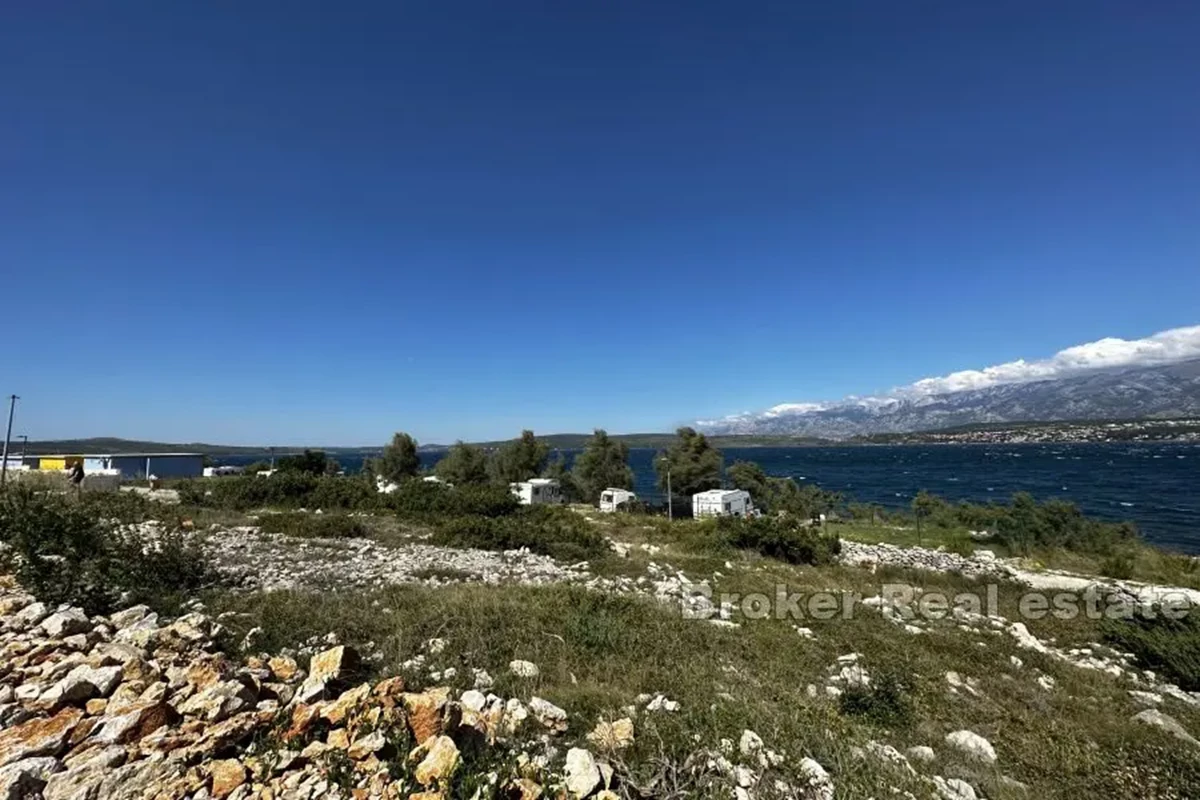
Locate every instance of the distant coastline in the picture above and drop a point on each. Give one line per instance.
(1183, 430)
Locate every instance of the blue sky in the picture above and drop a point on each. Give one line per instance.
(305, 222)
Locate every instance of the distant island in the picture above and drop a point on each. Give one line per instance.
(1186, 429)
(558, 441)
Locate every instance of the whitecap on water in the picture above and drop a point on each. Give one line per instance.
(1127, 505)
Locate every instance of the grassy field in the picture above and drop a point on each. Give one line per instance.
(597, 653)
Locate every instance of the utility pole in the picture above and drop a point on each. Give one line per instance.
(272, 459)
(24, 445)
(12, 404)
(670, 510)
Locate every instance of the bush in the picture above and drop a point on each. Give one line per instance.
(785, 538)
(413, 499)
(555, 532)
(884, 703)
(126, 507)
(1025, 525)
(425, 500)
(1169, 647)
(60, 550)
(282, 490)
(313, 526)
(1118, 565)
(353, 493)
(160, 572)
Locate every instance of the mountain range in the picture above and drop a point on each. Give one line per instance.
(1159, 390)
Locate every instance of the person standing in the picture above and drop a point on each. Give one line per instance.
(75, 476)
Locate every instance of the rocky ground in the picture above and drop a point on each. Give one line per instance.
(137, 706)
(256, 560)
(131, 706)
(260, 561)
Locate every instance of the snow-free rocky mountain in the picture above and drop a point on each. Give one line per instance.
(1169, 390)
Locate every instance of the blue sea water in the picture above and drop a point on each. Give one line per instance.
(1155, 485)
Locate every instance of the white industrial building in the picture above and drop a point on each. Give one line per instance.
(611, 499)
(722, 503)
(537, 491)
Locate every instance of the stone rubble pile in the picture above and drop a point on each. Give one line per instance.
(981, 564)
(256, 560)
(134, 706)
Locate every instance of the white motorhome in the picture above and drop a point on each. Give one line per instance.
(537, 491)
(224, 469)
(611, 499)
(722, 503)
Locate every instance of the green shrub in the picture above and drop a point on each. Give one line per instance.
(413, 499)
(1025, 524)
(785, 538)
(352, 493)
(555, 532)
(62, 552)
(160, 572)
(313, 526)
(884, 703)
(1118, 565)
(127, 507)
(292, 489)
(1169, 647)
(429, 501)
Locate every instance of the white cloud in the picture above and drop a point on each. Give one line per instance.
(793, 408)
(1177, 344)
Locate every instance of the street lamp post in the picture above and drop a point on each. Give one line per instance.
(12, 404)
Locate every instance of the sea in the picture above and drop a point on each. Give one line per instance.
(1155, 485)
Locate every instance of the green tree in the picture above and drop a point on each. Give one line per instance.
(556, 469)
(603, 464)
(694, 464)
(519, 460)
(923, 505)
(312, 462)
(399, 459)
(774, 495)
(749, 476)
(463, 464)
